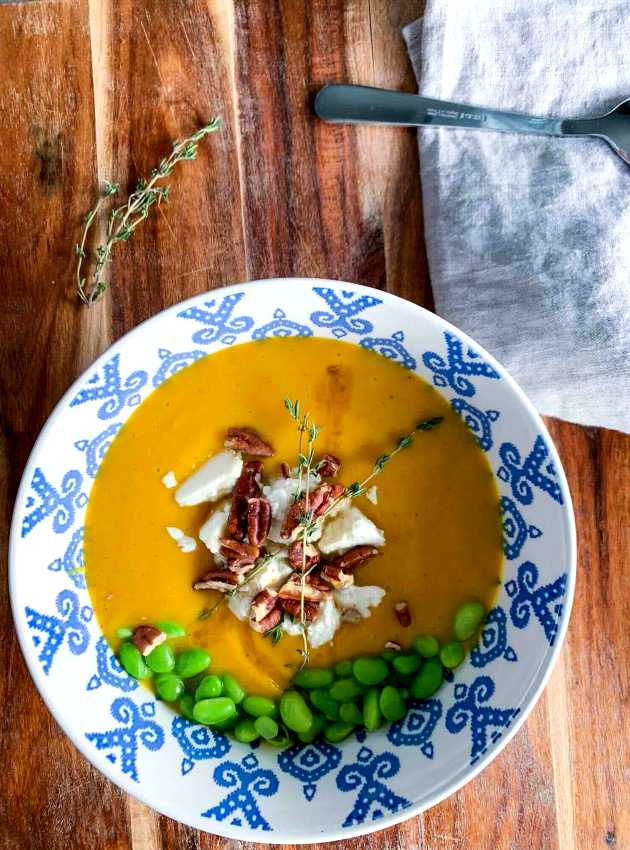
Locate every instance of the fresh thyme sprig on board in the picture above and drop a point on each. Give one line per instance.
(123, 220)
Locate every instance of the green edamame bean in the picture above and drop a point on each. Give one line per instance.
(132, 661)
(372, 717)
(169, 686)
(295, 713)
(468, 619)
(213, 711)
(317, 727)
(233, 689)
(209, 687)
(452, 654)
(312, 677)
(245, 731)
(260, 706)
(186, 705)
(391, 703)
(345, 689)
(389, 654)
(349, 713)
(407, 664)
(322, 700)
(124, 632)
(171, 628)
(191, 662)
(343, 669)
(266, 727)
(369, 671)
(161, 659)
(282, 739)
(229, 724)
(428, 679)
(426, 645)
(336, 732)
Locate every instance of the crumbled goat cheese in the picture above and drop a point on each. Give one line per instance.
(185, 543)
(372, 495)
(360, 598)
(169, 480)
(321, 630)
(214, 479)
(280, 494)
(240, 604)
(273, 575)
(214, 527)
(351, 528)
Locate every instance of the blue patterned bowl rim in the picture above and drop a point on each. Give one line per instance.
(387, 780)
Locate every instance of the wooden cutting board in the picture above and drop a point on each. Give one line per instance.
(95, 89)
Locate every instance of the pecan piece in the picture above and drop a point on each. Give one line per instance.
(263, 604)
(285, 469)
(403, 613)
(350, 615)
(353, 558)
(303, 557)
(292, 589)
(293, 608)
(336, 577)
(315, 580)
(272, 619)
(258, 520)
(328, 466)
(218, 580)
(391, 644)
(239, 554)
(247, 487)
(146, 638)
(320, 500)
(248, 441)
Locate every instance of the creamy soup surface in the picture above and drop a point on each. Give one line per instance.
(438, 502)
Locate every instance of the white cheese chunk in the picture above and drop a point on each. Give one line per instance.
(214, 527)
(185, 543)
(169, 480)
(273, 575)
(372, 495)
(350, 528)
(211, 481)
(360, 598)
(240, 604)
(280, 494)
(322, 630)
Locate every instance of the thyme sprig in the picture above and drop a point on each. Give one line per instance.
(123, 220)
(275, 634)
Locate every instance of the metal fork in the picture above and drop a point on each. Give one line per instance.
(363, 104)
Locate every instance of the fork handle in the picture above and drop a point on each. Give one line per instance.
(363, 104)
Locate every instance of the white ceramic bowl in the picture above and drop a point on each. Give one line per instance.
(319, 792)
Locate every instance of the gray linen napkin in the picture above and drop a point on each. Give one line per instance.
(528, 237)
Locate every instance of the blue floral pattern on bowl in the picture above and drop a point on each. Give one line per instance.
(319, 791)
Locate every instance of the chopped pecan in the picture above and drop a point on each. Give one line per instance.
(146, 638)
(218, 580)
(303, 557)
(285, 469)
(391, 644)
(336, 577)
(272, 619)
(258, 520)
(328, 466)
(247, 487)
(239, 554)
(403, 613)
(248, 441)
(292, 589)
(315, 580)
(263, 603)
(350, 615)
(353, 558)
(320, 500)
(293, 607)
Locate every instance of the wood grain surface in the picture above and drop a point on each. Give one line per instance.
(95, 89)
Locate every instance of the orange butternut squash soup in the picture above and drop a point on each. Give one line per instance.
(227, 543)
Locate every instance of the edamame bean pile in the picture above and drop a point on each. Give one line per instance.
(322, 702)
